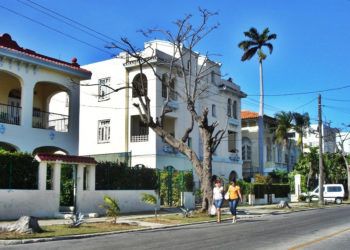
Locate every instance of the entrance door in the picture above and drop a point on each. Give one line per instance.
(68, 188)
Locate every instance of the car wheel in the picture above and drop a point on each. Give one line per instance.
(338, 201)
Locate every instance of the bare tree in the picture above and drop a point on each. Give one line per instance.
(191, 69)
(343, 138)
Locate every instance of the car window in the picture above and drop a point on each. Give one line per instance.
(316, 190)
(334, 189)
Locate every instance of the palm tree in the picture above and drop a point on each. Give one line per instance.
(284, 125)
(111, 206)
(254, 45)
(301, 123)
(151, 200)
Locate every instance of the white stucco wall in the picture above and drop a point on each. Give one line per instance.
(39, 203)
(128, 201)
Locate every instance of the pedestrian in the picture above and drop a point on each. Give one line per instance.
(235, 196)
(218, 199)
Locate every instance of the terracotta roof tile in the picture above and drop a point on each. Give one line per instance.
(66, 158)
(6, 42)
(246, 114)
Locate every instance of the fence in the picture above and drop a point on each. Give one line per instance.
(10, 114)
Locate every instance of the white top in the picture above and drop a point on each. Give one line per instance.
(217, 193)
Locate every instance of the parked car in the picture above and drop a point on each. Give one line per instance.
(331, 193)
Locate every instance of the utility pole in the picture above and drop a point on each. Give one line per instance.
(320, 164)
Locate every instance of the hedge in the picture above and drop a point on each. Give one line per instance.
(280, 190)
(118, 176)
(18, 171)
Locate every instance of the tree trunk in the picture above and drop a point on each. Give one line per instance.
(261, 122)
(25, 224)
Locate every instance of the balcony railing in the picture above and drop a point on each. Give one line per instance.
(139, 138)
(10, 114)
(53, 121)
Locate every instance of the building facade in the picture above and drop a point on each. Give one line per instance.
(276, 155)
(110, 124)
(30, 83)
(329, 138)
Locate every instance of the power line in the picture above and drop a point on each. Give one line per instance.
(309, 102)
(306, 92)
(336, 100)
(56, 30)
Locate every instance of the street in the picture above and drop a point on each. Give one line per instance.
(315, 229)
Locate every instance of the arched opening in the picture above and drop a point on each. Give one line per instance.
(233, 176)
(51, 107)
(8, 147)
(10, 98)
(246, 149)
(139, 85)
(50, 150)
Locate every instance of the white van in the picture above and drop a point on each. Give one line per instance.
(331, 193)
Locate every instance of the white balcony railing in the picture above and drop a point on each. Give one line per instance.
(139, 138)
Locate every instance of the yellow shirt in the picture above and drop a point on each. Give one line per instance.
(233, 191)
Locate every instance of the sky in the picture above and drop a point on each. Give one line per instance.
(310, 53)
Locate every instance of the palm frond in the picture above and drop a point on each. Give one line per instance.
(149, 199)
(271, 37)
(252, 33)
(270, 46)
(249, 54)
(245, 45)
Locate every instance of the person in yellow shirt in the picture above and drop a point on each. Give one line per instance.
(234, 196)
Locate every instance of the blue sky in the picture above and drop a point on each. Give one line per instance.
(310, 52)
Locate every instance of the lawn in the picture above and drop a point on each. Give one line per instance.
(64, 230)
(179, 219)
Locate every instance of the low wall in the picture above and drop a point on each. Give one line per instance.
(128, 201)
(189, 200)
(38, 203)
(264, 201)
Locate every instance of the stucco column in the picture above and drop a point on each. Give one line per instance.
(80, 177)
(42, 175)
(27, 104)
(57, 177)
(91, 177)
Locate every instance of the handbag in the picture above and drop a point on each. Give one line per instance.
(227, 196)
(212, 210)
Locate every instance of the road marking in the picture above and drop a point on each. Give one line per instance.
(300, 246)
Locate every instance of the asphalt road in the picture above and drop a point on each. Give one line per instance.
(316, 229)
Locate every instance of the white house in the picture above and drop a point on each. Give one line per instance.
(29, 82)
(329, 134)
(110, 124)
(276, 155)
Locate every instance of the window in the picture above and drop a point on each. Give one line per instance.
(103, 88)
(212, 77)
(279, 154)
(334, 189)
(189, 64)
(232, 141)
(139, 131)
(229, 104)
(234, 109)
(213, 110)
(268, 152)
(139, 85)
(246, 149)
(172, 93)
(104, 131)
(189, 142)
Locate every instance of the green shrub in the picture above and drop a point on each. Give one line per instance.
(118, 176)
(18, 171)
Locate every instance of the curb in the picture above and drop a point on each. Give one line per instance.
(83, 236)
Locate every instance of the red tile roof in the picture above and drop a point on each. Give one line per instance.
(246, 114)
(66, 158)
(6, 42)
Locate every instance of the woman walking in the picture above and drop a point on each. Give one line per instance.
(218, 199)
(234, 196)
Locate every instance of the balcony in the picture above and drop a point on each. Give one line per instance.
(233, 121)
(10, 114)
(139, 138)
(53, 121)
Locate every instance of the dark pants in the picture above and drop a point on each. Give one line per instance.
(233, 206)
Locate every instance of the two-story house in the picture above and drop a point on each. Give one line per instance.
(39, 100)
(329, 138)
(275, 154)
(111, 127)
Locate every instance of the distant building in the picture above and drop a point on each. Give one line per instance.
(110, 124)
(344, 136)
(311, 138)
(29, 84)
(275, 154)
